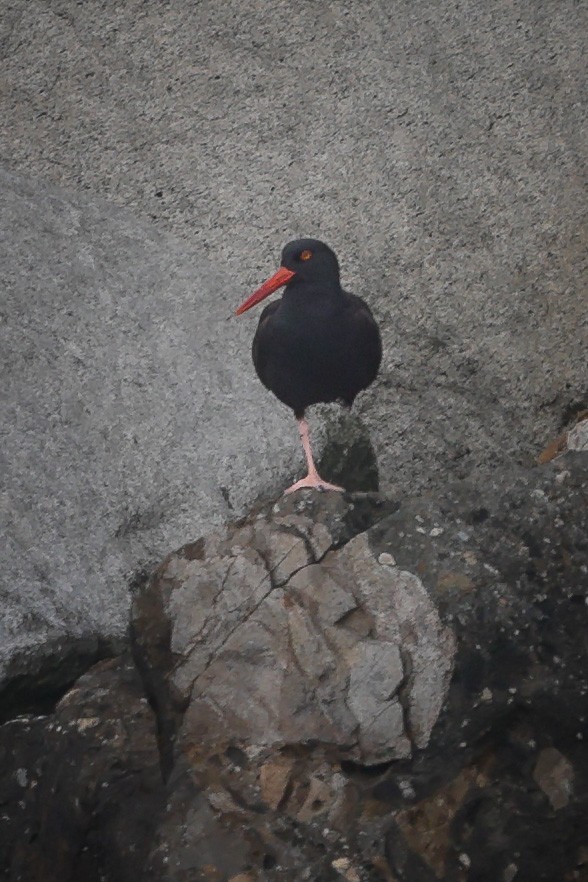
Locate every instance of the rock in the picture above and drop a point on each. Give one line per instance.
(81, 789)
(437, 149)
(120, 423)
(427, 827)
(352, 652)
(253, 643)
(451, 788)
(34, 681)
(346, 869)
(578, 436)
(555, 776)
(574, 439)
(507, 753)
(274, 777)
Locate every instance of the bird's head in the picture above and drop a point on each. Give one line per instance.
(303, 260)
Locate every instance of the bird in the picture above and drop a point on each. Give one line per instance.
(317, 343)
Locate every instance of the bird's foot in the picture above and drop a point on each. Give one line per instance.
(314, 482)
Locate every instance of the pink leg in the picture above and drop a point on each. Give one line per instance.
(313, 478)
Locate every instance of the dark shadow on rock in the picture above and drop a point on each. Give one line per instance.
(35, 681)
(81, 788)
(348, 457)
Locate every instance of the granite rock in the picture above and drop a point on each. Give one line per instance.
(120, 420)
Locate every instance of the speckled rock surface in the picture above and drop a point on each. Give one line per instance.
(121, 419)
(440, 150)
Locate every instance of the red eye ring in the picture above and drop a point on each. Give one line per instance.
(305, 255)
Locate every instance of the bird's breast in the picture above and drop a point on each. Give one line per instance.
(308, 358)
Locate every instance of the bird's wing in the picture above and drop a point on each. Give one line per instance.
(366, 336)
(259, 352)
(366, 324)
(358, 306)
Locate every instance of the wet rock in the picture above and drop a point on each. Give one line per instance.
(81, 787)
(497, 791)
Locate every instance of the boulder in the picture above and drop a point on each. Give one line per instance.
(81, 787)
(325, 645)
(339, 687)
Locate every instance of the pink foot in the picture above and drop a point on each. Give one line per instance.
(314, 482)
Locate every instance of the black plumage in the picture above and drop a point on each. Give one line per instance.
(318, 343)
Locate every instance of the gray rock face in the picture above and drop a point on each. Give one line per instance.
(440, 151)
(324, 646)
(121, 415)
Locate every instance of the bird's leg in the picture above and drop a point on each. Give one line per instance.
(313, 479)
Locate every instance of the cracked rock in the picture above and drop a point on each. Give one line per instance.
(275, 650)
(280, 637)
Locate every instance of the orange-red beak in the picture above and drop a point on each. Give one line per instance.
(282, 277)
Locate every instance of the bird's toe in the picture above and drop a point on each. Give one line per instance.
(313, 482)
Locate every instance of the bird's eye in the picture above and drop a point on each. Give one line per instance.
(305, 255)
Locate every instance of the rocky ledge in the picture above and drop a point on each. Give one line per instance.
(336, 687)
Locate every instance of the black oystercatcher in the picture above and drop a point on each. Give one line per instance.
(317, 343)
